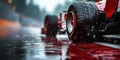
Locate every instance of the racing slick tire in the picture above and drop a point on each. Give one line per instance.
(80, 21)
(51, 25)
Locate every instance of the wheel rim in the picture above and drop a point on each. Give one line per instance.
(70, 22)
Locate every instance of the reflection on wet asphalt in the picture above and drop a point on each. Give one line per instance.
(26, 46)
(35, 46)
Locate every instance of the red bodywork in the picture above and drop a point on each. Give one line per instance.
(109, 6)
(43, 30)
(62, 25)
(60, 22)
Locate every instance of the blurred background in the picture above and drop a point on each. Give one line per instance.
(37, 9)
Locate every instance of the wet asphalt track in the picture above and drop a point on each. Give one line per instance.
(29, 44)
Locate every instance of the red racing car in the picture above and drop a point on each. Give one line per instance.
(88, 21)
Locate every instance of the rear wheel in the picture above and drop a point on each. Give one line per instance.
(51, 25)
(81, 22)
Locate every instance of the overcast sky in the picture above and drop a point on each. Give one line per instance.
(49, 5)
